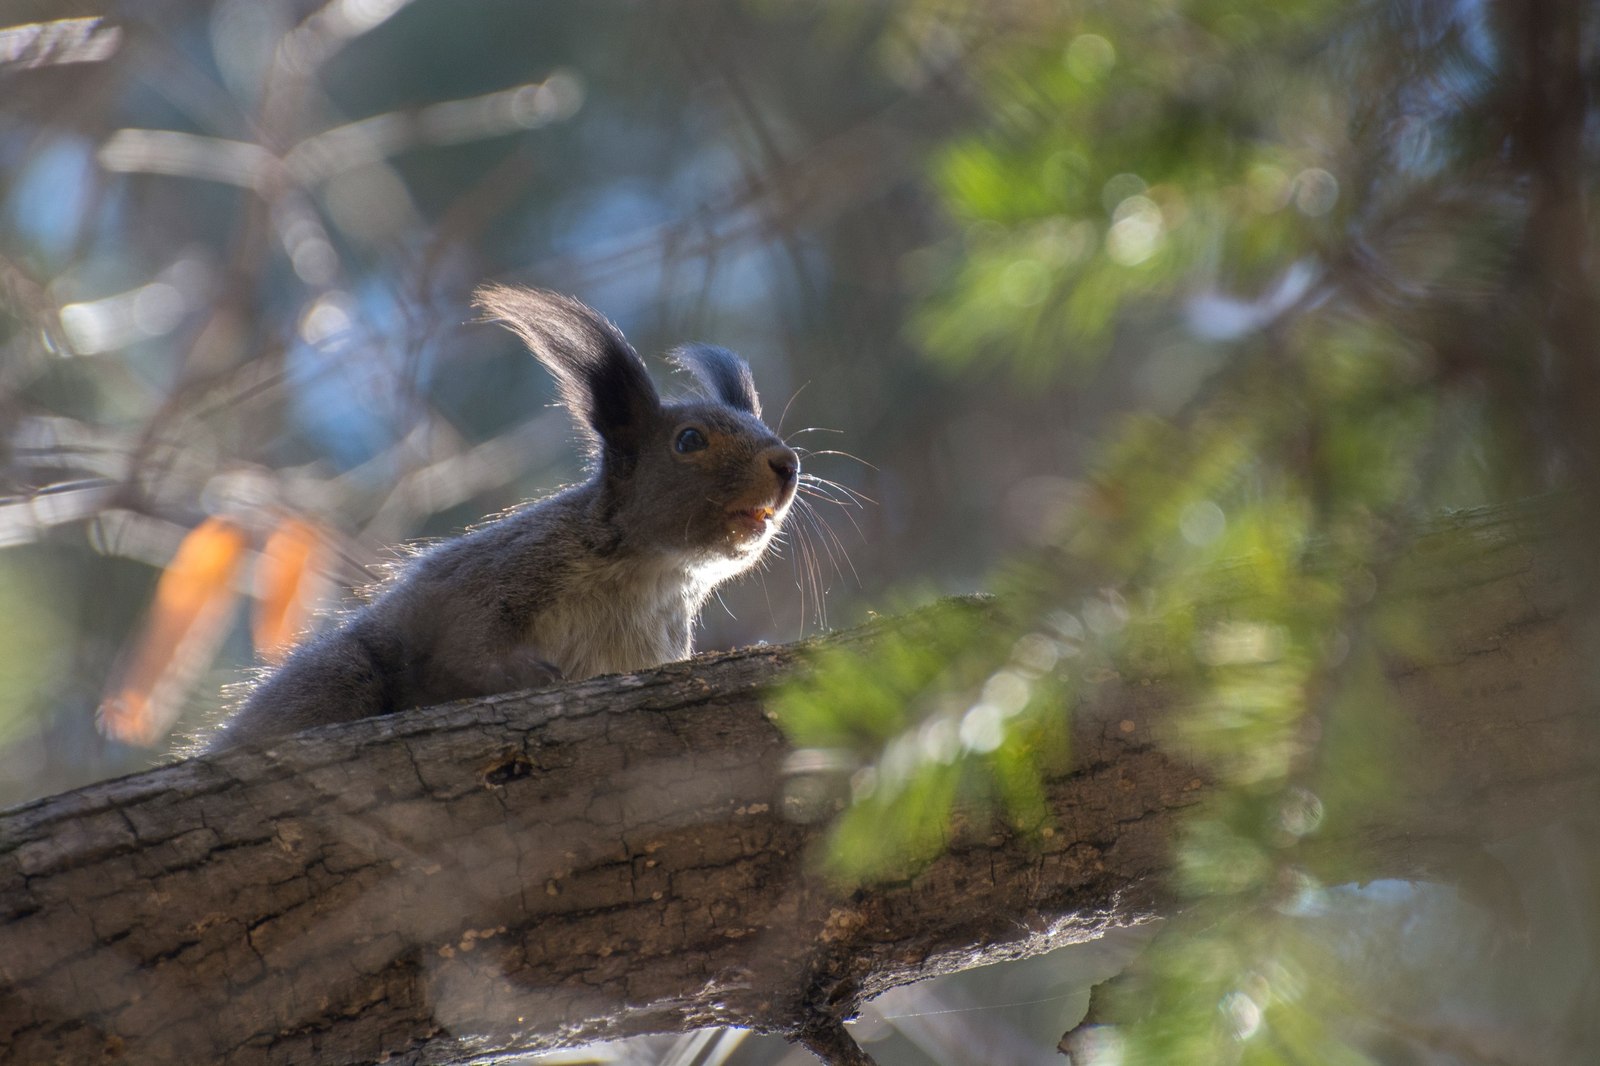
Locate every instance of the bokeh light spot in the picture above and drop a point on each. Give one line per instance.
(1137, 232)
(1202, 522)
(1315, 191)
(1243, 1015)
(1090, 57)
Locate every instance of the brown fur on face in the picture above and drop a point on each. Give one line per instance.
(603, 577)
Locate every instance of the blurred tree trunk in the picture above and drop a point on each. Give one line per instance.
(613, 857)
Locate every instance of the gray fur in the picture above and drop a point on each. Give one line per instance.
(603, 577)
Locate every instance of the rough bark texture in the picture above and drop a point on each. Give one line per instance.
(611, 857)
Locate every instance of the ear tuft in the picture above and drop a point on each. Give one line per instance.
(602, 380)
(721, 373)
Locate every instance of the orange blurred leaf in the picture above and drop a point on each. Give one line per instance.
(286, 587)
(180, 634)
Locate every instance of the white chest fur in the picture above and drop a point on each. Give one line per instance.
(618, 617)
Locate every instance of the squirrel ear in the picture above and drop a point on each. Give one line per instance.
(723, 374)
(603, 381)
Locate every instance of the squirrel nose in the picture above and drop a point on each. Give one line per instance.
(785, 463)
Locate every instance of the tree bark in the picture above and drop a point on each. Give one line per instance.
(612, 857)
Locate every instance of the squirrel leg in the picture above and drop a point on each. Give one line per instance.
(521, 669)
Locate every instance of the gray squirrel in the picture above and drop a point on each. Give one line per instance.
(602, 577)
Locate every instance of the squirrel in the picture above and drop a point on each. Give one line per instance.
(605, 576)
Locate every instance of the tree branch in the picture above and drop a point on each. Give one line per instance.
(610, 858)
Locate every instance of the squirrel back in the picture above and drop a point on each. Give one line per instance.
(603, 577)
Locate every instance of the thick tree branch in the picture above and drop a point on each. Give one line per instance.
(611, 857)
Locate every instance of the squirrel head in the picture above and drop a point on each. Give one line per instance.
(703, 480)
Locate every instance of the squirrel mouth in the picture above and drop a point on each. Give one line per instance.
(750, 521)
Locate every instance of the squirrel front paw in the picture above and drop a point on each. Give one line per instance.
(524, 669)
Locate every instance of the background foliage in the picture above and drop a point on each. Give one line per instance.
(1168, 321)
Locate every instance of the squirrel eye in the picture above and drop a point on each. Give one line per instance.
(691, 440)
